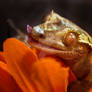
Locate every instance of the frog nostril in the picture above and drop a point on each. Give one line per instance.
(41, 36)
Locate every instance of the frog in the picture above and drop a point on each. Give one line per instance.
(59, 36)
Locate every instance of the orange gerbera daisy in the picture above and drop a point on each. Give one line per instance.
(22, 70)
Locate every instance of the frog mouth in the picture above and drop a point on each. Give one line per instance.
(34, 43)
(67, 55)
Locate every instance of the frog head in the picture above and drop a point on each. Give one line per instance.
(57, 35)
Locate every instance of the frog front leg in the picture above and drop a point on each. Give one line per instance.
(83, 85)
(84, 75)
(80, 86)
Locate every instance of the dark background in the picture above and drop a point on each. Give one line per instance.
(24, 12)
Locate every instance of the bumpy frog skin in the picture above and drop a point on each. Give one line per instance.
(59, 36)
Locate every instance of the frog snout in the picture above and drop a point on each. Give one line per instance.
(38, 30)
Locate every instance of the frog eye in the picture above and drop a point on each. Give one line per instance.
(70, 39)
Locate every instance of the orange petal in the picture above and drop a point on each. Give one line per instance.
(90, 90)
(7, 83)
(71, 77)
(19, 58)
(4, 66)
(47, 75)
(2, 57)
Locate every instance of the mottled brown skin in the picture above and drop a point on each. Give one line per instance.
(60, 37)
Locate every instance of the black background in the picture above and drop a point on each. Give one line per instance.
(24, 12)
